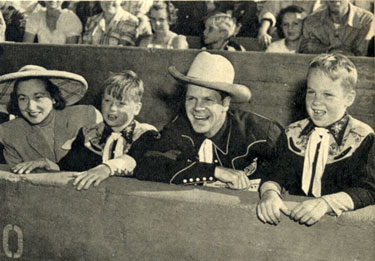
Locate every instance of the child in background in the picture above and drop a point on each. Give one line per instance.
(112, 147)
(329, 156)
(219, 29)
(289, 26)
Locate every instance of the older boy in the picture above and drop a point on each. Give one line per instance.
(327, 155)
(112, 147)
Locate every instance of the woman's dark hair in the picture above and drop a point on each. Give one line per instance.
(51, 88)
(169, 7)
(289, 9)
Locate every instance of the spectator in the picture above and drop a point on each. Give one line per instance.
(341, 27)
(162, 15)
(139, 8)
(220, 28)
(53, 25)
(114, 26)
(210, 142)
(328, 156)
(15, 22)
(271, 9)
(289, 26)
(46, 125)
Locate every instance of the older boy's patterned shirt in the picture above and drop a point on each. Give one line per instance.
(122, 30)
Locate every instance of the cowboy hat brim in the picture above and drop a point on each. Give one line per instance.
(239, 93)
(72, 86)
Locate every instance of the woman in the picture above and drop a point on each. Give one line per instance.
(53, 25)
(162, 15)
(46, 125)
(289, 26)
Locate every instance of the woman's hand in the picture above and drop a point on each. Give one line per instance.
(95, 175)
(28, 166)
(310, 211)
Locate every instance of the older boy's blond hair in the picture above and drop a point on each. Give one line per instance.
(124, 86)
(336, 66)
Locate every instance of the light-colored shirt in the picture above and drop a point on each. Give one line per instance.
(352, 34)
(279, 47)
(67, 25)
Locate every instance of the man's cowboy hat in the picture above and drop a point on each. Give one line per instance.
(72, 86)
(215, 72)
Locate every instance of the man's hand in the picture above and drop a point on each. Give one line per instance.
(269, 207)
(310, 211)
(28, 166)
(95, 175)
(235, 179)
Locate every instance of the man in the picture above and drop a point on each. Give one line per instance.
(210, 143)
(341, 27)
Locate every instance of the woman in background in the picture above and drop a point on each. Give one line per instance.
(53, 25)
(289, 26)
(162, 15)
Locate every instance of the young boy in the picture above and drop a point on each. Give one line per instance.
(329, 156)
(219, 28)
(111, 147)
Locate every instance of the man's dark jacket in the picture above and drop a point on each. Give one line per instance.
(245, 142)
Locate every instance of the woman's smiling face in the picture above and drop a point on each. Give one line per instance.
(34, 101)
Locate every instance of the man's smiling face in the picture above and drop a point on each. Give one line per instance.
(206, 109)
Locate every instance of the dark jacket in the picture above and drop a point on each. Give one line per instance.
(245, 142)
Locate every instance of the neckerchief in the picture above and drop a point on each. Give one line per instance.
(337, 129)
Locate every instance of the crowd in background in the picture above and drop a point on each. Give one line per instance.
(315, 26)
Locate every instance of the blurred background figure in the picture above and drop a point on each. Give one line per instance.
(289, 27)
(113, 26)
(219, 30)
(162, 15)
(139, 8)
(15, 21)
(53, 25)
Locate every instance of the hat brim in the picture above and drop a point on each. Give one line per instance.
(239, 93)
(73, 87)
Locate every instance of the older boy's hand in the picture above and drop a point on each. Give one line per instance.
(95, 175)
(310, 211)
(235, 179)
(28, 166)
(269, 207)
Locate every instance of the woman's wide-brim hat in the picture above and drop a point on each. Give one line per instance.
(72, 86)
(215, 72)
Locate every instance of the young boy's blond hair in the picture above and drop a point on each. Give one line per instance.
(336, 67)
(124, 86)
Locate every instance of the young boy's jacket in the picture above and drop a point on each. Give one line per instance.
(350, 166)
(245, 142)
(88, 148)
